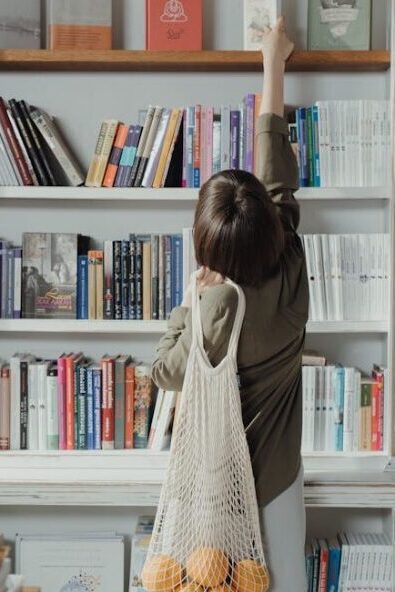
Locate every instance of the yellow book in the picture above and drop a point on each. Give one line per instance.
(99, 284)
(167, 144)
(91, 285)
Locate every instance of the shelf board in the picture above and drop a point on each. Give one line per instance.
(92, 194)
(134, 478)
(158, 327)
(192, 61)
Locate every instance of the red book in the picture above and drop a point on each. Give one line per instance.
(129, 405)
(108, 415)
(196, 147)
(375, 415)
(14, 145)
(378, 375)
(5, 394)
(174, 24)
(62, 402)
(70, 363)
(324, 561)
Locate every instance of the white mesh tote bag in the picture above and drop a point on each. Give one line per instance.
(207, 534)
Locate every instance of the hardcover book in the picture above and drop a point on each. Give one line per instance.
(174, 24)
(339, 24)
(20, 24)
(80, 24)
(259, 14)
(49, 274)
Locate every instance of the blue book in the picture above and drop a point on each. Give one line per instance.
(334, 565)
(316, 145)
(132, 277)
(97, 388)
(302, 140)
(82, 287)
(309, 558)
(190, 122)
(176, 270)
(339, 407)
(81, 406)
(128, 155)
(10, 283)
(168, 262)
(90, 443)
(125, 266)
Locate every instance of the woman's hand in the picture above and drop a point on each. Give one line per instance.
(275, 43)
(206, 279)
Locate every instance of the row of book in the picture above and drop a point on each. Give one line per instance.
(348, 276)
(343, 411)
(72, 403)
(57, 275)
(350, 563)
(343, 143)
(32, 149)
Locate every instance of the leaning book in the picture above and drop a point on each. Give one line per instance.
(49, 274)
(20, 24)
(340, 24)
(80, 24)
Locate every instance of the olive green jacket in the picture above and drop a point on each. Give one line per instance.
(272, 336)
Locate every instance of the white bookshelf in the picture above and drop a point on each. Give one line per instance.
(45, 491)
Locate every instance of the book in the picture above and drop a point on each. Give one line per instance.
(174, 25)
(108, 402)
(52, 408)
(5, 407)
(143, 402)
(129, 405)
(121, 364)
(20, 24)
(86, 24)
(98, 165)
(148, 147)
(339, 24)
(14, 144)
(259, 14)
(49, 274)
(115, 156)
(142, 140)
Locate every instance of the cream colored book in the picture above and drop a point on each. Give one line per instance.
(147, 300)
(102, 152)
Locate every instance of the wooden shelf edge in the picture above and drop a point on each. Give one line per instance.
(193, 61)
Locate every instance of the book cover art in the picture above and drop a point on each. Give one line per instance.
(140, 545)
(20, 25)
(49, 275)
(339, 24)
(143, 403)
(259, 14)
(80, 24)
(174, 24)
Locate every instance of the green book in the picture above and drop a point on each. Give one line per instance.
(339, 24)
(120, 365)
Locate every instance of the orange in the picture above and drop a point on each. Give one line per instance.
(161, 573)
(208, 567)
(250, 576)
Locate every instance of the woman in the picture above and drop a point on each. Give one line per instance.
(245, 229)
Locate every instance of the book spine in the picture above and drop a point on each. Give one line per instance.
(310, 147)
(24, 405)
(5, 407)
(81, 406)
(161, 274)
(97, 407)
(156, 152)
(99, 285)
(108, 281)
(177, 269)
(139, 280)
(117, 271)
(82, 288)
(375, 416)
(15, 427)
(301, 123)
(22, 147)
(62, 403)
(184, 181)
(142, 407)
(171, 176)
(339, 408)
(323, 578)
(14, 145)
(129, 406)
(234, 136)
(225, 137)
(216, 163)
(119, 431)
(141, 145)
(125, 265)
(378, 376)
(10, 284)
(92, 176)
(91, 285)
(189, 145)
(148, 147)
(32, 416)
(168, 266)
(126, 160)
(52, 410)
(316, 144)
(132, 277)
(364, 416)
(3, 279)
(90, 444)
(196, 146)
(130, 171)
(70, 411)
(155, 276)
(250, 131)
(17, 293)
(36, 142)
(108, 405)
(115, 156)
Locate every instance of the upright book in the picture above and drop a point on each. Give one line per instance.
(258, 14)
(20, 24)
(339, 24)
(80, 24)
(174, 24)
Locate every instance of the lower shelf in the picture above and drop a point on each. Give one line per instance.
(134, 478)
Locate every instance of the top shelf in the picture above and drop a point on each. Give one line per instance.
(192, 61)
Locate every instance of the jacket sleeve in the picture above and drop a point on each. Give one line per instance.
(218, 310)
(277, 167)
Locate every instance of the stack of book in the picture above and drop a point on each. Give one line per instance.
(72, 403)
(342, 410)
(10, 280)
(348, 276)
(32, 150)
(343, 143)
(350, 562)
(140, 278)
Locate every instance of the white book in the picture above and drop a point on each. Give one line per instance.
(23, 148)
(336, 276)
(9, 160)
(328, 277)
(345, 549)
(42, 369)
(329, 409)
(7, 172)
(349, 409)
(387, 264)
(52, 411)
(341, 117)
(311, 274)
(15, 376)
(156, 151)
(225, 137)
(161, 439)
(305, 370)
(319, 419)
(154, 422)
(32, 405)
(259, 14)
(319, 277)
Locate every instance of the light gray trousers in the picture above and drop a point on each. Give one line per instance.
(284, 534)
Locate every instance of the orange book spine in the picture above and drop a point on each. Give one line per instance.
(257, 111)
(375, 416)
(129, 406)
(69, 365)
(108, 418)
(115, 156)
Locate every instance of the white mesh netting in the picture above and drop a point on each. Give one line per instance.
(207, 533)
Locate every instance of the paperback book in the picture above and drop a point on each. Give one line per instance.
(20, 24)
(80, 24)
(259, 14)
(174, 24)
(339, 24)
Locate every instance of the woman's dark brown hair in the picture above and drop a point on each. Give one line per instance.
(237, 230)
